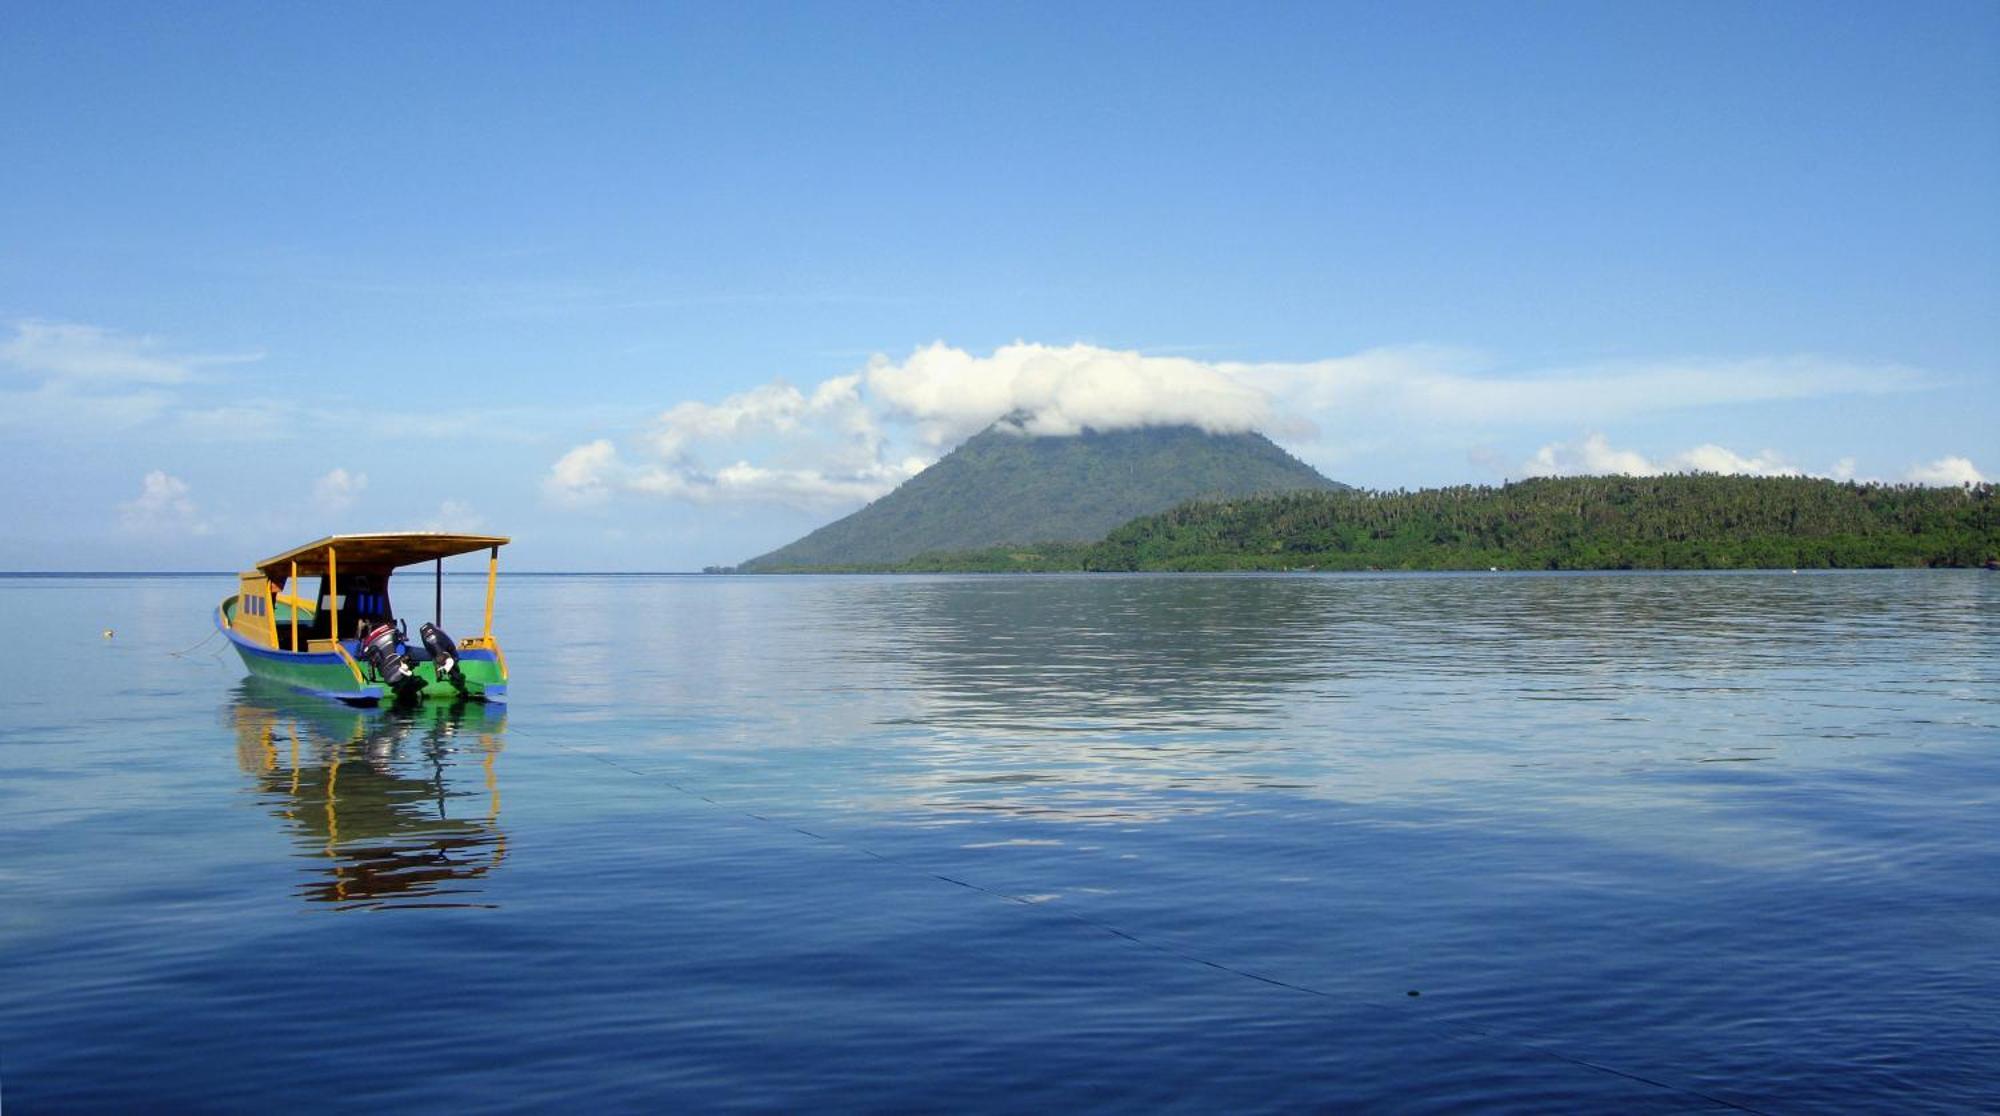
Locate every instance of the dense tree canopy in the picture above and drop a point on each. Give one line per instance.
(1696, 521)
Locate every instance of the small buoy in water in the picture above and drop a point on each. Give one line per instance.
(107, 633)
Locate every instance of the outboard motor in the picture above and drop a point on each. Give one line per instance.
(444, 654)
(378, 646)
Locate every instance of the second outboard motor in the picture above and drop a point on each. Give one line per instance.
(444, 654)
(379, 648)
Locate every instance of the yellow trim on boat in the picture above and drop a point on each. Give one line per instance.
(341, 650)
(333, 596)
(492, 581)
(293, 586)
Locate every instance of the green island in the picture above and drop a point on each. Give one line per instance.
(1673, 522)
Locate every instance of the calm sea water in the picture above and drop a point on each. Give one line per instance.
(1640, 843)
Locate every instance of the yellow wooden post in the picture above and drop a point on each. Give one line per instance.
(333, 593)
(492, 580)
(293, 585)
(271, 611)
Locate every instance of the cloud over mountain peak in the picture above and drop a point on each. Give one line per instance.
(855, 436)
(1055, 390)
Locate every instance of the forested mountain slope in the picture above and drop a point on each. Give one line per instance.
(1006, 487)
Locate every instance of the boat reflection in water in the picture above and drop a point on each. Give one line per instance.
(395, 807)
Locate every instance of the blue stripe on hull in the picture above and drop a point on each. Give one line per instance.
(299, 658)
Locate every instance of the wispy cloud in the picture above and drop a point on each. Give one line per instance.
(68, 376)
(68, 381)
(1437, 384)
(77, 355)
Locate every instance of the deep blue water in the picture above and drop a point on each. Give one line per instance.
(1641, 843)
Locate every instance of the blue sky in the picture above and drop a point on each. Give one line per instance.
(654, 287)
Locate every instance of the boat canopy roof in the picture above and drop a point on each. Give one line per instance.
(386, 550)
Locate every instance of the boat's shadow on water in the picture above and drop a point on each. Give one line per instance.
(386, 808)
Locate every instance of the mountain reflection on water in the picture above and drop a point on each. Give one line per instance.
(1143, 698)
(385, 806)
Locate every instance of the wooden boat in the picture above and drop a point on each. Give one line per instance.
(345, 641)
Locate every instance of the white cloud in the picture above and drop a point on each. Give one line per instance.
(744, 482)
(1595, 456)
(590, 473)
(1946, 472)
(164, 506)
(1711, 458)
(585, 474)
(338, 489)
(853, 437)
(775, 408)
(822, 449)
(951, 393)
(808, 487)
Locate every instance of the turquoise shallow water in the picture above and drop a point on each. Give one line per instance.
(1641, 843)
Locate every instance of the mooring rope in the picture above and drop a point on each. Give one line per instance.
(1458, 1033)
(185, 651)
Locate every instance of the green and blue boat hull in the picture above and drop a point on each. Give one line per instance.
(327, 674)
